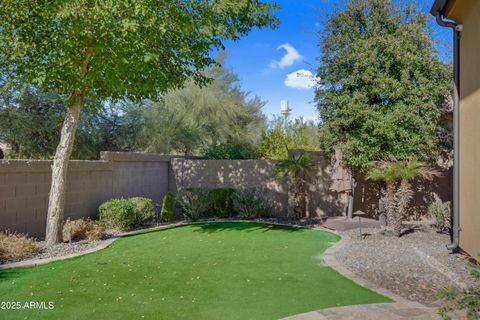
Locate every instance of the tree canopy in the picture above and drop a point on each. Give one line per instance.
(118, 48)
(381, 84)
(31, 121)
(284, 135)
(194, 118)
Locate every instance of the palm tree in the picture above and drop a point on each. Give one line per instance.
(398, 176)
(296, 167)
(383, 171)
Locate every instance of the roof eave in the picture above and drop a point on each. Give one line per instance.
(438, 7)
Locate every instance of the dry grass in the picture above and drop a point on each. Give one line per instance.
(16, 246)
(83, 229)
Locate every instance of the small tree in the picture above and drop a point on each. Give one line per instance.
(295, 168)
(398, 176)
(95, 50)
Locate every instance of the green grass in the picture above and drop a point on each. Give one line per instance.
(202, 271)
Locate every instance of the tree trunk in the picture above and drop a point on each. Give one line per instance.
(390, 207)
(58, 190)
(403, 197)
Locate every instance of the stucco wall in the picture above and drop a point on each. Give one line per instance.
(469, 16)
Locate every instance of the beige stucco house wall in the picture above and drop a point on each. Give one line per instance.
(467, 12)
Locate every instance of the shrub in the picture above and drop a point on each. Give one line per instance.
(82, 229)
(168, 204)
(441, 213)
(193, 202)
(127, 213)
(248, 204)
(466, 299)
(145, 210)
(15, 246)
(222, 201)
(117, 213)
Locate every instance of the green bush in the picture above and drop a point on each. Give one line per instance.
(117, 213)
(127, 213)
(248, 204)
(168, 204)
(82, 229)
(193, 202)
(441, 213)
(144, 209)
(222, 202)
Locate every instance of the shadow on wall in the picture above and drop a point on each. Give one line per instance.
(259, 174)
(239, 174)
(367, 194)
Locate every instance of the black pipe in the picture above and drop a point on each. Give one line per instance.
(457, 29)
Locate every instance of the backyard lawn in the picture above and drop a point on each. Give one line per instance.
(201, 271)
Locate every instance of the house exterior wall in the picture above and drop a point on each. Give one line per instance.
(467, 12)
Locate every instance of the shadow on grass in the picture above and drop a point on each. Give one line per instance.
(218, 226)
(10, 274)
(212, 227)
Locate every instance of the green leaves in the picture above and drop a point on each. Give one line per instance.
(139, 48)
(214, 119)
(381, 84)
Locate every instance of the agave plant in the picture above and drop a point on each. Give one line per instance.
(398, 176)
(295, 168)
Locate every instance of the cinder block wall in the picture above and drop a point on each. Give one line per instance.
(25, 185)
(240, 174)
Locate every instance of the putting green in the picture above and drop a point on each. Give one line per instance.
(236, 270)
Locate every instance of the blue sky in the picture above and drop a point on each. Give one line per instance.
(257, 58)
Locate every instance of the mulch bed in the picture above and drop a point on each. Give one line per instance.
(415, 266)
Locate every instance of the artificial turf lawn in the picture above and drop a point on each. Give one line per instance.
(204, 271)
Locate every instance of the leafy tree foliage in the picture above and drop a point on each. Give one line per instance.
(381, 84)
(194, 118)
(110, 50)
(230, 150)
(31, 121)
(281, 136)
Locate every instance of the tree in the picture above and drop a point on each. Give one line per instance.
(295, 168)
(194, 118)
(281, 136)
(398, 176)
(31, 121)
(96, 50)
(230, 150)
(381, 84)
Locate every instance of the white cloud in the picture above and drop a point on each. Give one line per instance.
(300, 79)
(288, 59)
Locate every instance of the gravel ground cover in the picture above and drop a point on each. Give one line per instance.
(415, 266)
